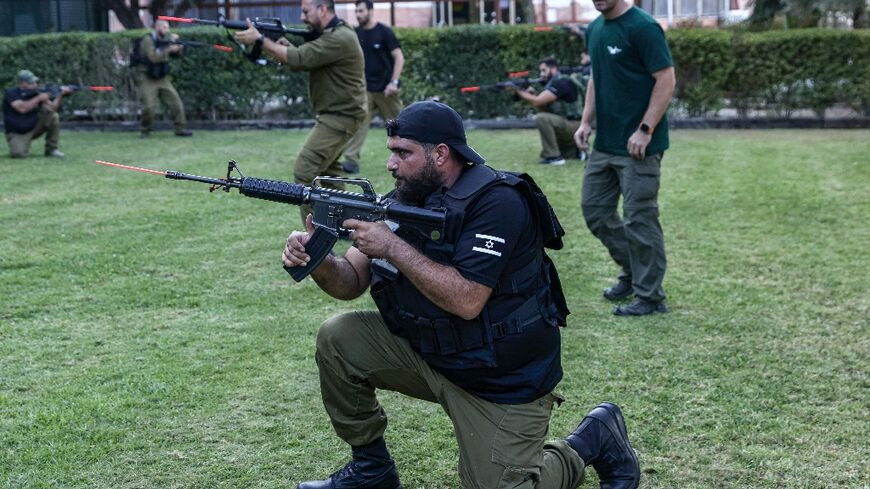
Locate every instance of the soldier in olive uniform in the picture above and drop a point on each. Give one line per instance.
(560, 106)
(632, 83)
(150, 59)
(336, 84)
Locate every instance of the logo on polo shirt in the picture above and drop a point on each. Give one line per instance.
(488, 244)
(614, 50)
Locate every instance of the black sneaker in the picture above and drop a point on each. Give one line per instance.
(640, 307)
(618, 291)
(554, 161)
(353, 475)
(370, 468)
(184, 134)
(350, 167)
(601, 440)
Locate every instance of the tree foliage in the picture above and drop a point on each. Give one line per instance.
(779, 71)
(809, 13)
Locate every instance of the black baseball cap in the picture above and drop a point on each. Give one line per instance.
(435, 123)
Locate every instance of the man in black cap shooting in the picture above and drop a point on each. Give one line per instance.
(28, 114)
(468, 319)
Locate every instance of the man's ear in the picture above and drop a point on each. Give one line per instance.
(442, 153)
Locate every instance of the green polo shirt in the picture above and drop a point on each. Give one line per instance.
(336, 71)
(625, 52)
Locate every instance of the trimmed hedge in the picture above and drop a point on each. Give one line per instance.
(778, 71)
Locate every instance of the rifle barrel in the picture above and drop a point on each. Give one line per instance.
(220, 182)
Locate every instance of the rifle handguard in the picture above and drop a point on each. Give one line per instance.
(274, 190)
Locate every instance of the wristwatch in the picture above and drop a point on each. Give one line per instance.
(397, 83)
(644, 128)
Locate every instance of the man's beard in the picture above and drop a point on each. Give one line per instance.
(413, 191)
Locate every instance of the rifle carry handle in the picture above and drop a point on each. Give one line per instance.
(318, 247)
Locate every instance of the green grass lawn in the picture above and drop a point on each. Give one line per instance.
(149, 337)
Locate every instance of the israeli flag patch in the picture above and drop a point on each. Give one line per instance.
(485, 243)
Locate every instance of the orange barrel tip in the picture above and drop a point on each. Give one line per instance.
(126, 167)
(174, 19)
(469, 89)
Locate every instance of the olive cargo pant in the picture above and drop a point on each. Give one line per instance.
(500, 446)
(389, 107)
(322, 148)
(557, 135)
(48, 124)
(635, 241)
(153, 91)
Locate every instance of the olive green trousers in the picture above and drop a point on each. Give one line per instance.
(634, 240)
(389, 107)
(151, 92)
(557, 135)
(49, 124)
(322, 148)
(501, 446)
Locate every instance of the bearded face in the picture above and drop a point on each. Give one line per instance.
(413, 189)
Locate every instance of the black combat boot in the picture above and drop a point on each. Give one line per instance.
(641, 307)
(620, 290)
(601, 440)
(370, 468)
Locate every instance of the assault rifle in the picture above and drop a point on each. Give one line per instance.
(521, 80)
(518, 79)
(579, 32)
(54, 89)
(331, 207)
(271, 27)
(160, 43)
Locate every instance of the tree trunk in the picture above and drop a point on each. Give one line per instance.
(161, 7)
(860, 20)
(127, 16)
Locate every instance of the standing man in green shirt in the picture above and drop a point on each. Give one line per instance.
(336, 86)
(632, 83)
(150, 61)
(384, 62)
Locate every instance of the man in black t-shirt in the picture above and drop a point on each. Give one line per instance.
(468, 318)
(560, 108)
(29, 113)
(384, 63)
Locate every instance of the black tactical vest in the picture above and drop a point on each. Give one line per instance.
(448, 341)
(154, 71)
(570, 110)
